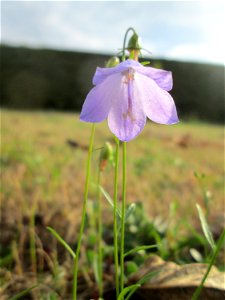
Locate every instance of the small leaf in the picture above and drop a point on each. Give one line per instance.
(127, 290)
(205, 228)
(61, 240)
(109, 199)
(139, 248)
(144, 63)
(23, 293)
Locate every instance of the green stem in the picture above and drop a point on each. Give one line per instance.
(99, 220)
(123, 219)
(115, 219)
(76, 259)
(218, 247)
(124, 42)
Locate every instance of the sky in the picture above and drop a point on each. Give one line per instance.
(175, 30)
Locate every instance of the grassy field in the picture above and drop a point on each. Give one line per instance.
(43, 158)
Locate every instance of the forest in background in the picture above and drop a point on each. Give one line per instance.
(59, 80)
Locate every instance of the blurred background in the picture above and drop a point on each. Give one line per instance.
(50, 50)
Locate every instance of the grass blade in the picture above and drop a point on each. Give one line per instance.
(109, 199)
(127, 290)
(144, 279)
(205, 227)
(61, 240)
(214, 256)
(130, 210)
(23, 293)
(140, 248)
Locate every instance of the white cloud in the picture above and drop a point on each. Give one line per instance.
(178, 30)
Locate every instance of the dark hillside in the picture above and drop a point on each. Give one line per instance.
(60, 80)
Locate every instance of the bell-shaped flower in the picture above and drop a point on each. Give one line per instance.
(126, 94)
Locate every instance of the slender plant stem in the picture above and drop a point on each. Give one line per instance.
(115, 219)
(88, 171)
(123, 219)
(99, 220)
(216, 251)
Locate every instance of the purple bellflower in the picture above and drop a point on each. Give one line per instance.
(126, 94)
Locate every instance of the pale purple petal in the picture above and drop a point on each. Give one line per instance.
(158, 104)
(99, 100)
(161, 77)
(102, 73)
(126, 118)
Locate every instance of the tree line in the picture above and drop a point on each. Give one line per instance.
(60, 80)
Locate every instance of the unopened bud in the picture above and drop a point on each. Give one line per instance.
(134, 46)
(134, 43)
(112, 62)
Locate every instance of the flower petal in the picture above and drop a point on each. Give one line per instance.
(158, 104)
(102, 73)
(163, 78)
(99, 100)
(126, 118)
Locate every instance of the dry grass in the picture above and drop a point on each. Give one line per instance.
(38, 164)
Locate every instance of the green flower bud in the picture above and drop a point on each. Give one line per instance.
(112, 62)
(134, 43)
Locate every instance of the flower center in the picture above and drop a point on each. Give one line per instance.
(128, 79)
(129, 75)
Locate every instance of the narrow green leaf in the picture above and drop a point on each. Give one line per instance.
(129, 211)
(205, 228)
(127, 290)
(23, 293)
(61, 240)
(144, 247)
(109, 199)
(96, 269)
(144, 63)
(144, 279)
